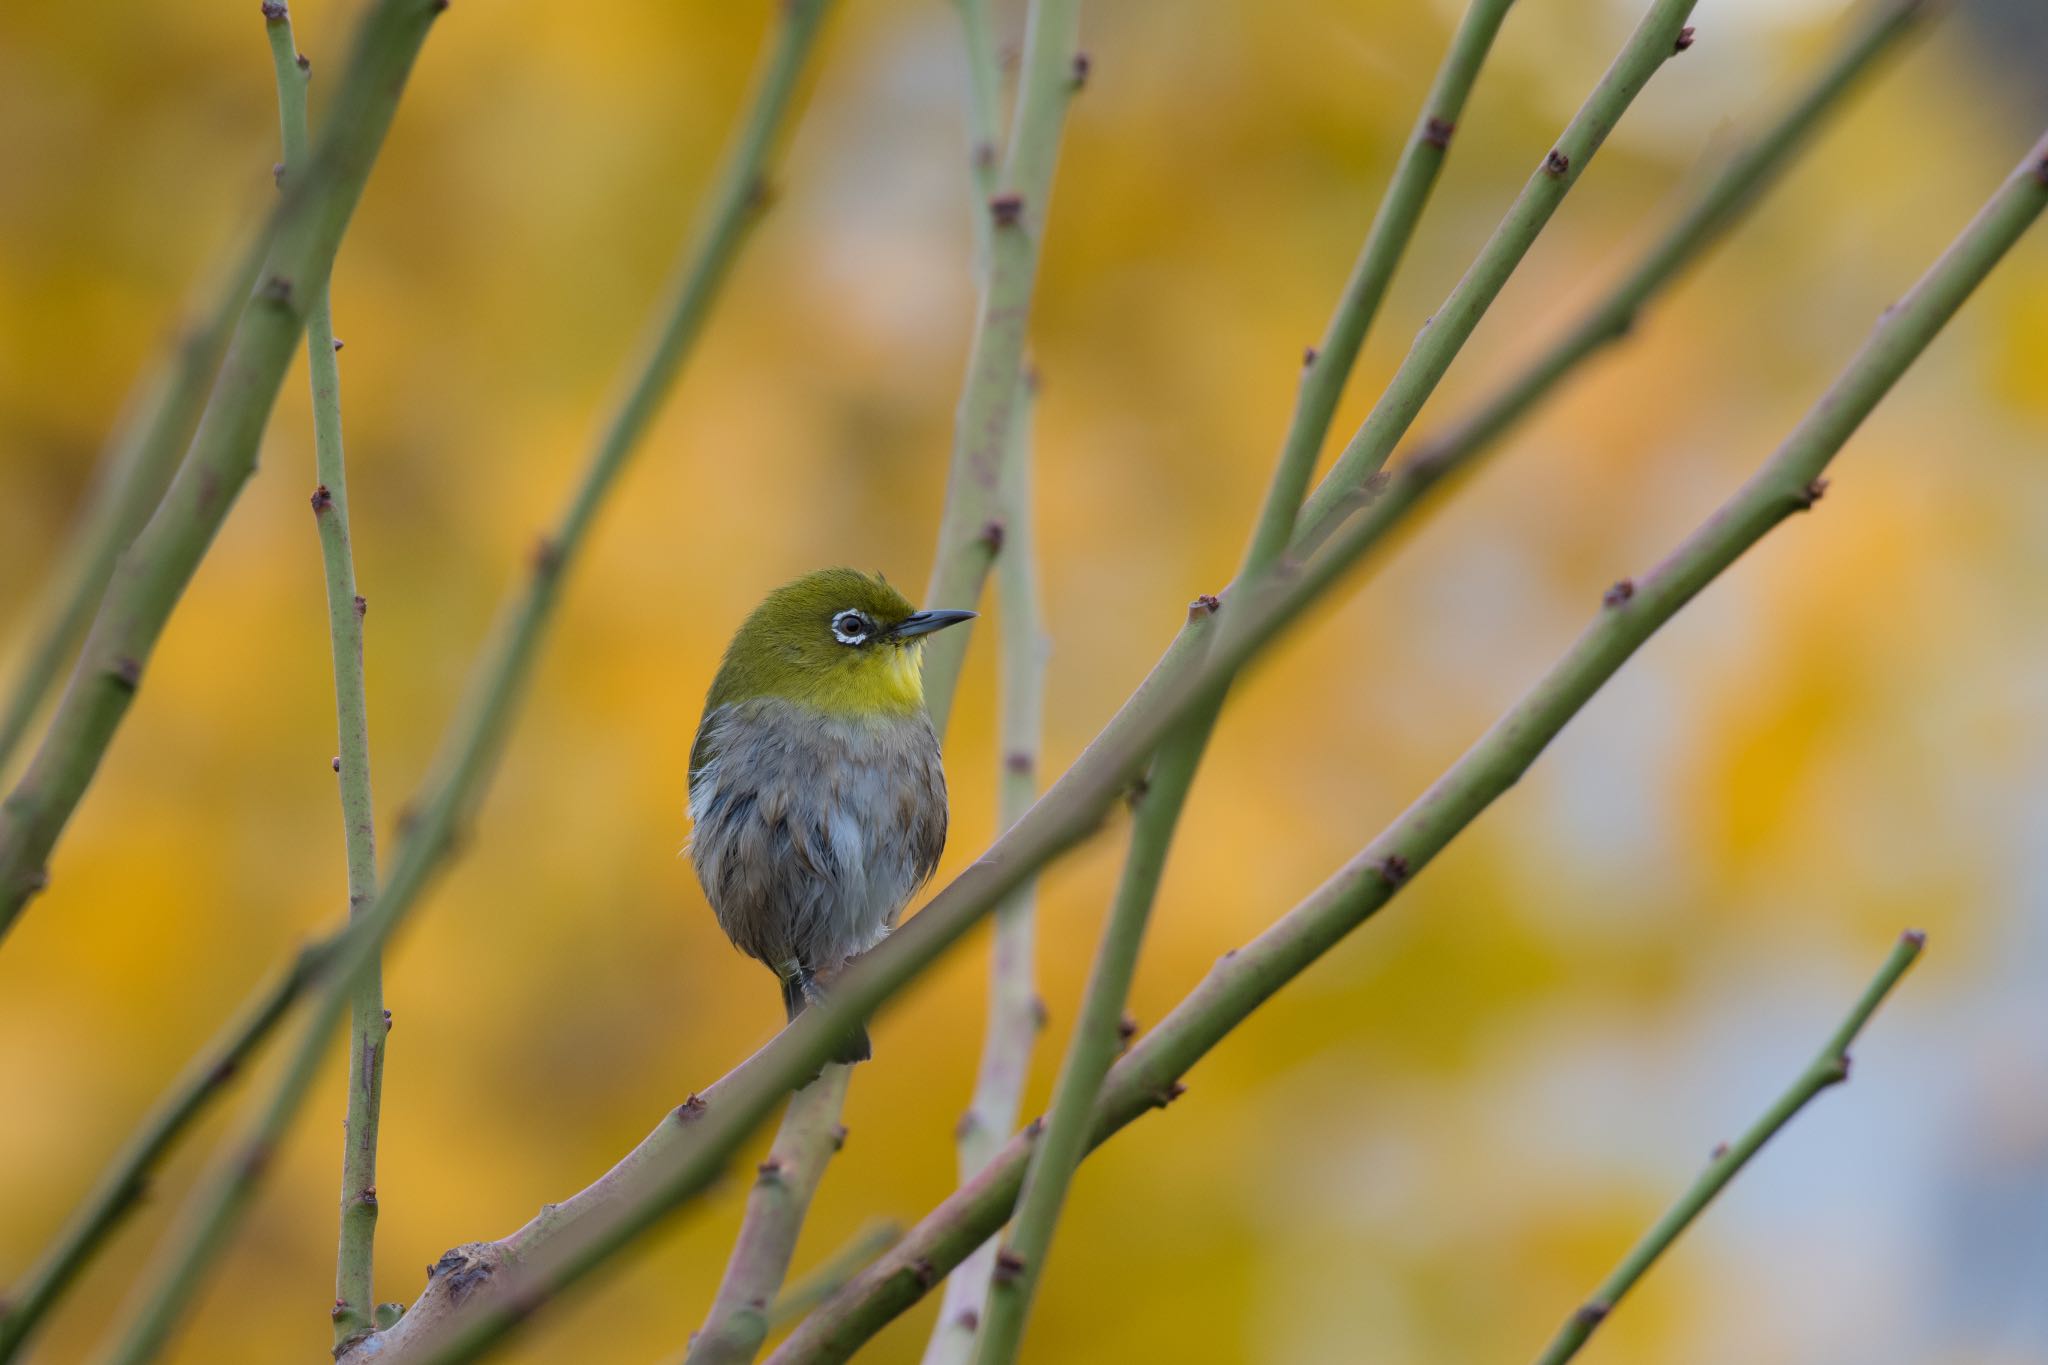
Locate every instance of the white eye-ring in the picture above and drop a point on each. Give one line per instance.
(850, 627)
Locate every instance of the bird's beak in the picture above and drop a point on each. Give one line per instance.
(925, 622)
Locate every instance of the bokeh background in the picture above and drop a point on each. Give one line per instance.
(1432, 1145)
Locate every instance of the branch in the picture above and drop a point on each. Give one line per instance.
(1149, 1076)
(354, 1300)
(478, 731)
(1053, 69)
(811, 1133)
(138, 464)
(1015, 1013)
(1830, 1067)
(121, 1188)
(154, 570)
(831, 1277)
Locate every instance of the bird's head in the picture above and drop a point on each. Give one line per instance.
(838, 639)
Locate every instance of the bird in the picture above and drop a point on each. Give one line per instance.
(817, 800)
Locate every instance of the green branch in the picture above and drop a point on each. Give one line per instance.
(970, 526)
(1830, 1067)
(1015, 1014)
(141, 457)
(1149, 1075)
(783, 1186)
(354, 1301)
(126, 1180)
(156, 567)
(477, 733)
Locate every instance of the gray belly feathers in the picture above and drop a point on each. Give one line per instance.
(811, 832)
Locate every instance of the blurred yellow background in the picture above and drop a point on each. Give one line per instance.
(1429, 1148)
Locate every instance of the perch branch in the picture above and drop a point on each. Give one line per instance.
(1149, 1076)
(355, 1303)
(1053, 69)
(127, 1178)
(478, 730)
(783, 1186)
(154, 570)
(1830, 1067)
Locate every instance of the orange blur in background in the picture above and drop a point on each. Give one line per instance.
(1434, 1144)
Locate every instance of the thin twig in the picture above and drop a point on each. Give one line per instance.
(1015, 1013)
(1095, 1040)
(1149, 1075)
(154, 570)
(141, 457)
(1053, 69)
(354, 1300)
(1829, 1067)
(830, 1277)
(127, 1178)
(783, 1186)
(478, 730)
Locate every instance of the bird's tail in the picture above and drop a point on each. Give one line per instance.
(801, 989)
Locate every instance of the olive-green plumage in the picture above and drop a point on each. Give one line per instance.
(817, 802)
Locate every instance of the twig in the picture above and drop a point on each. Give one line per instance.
(1830, 1067)
(1095, 1039)
(1149, 1076)
(1053, 69)
(829, 1278)
(140, 459)
(127, 1178)
(354, 1300)
(478, 730)
(1718, 207)
(811, 1133)
(1014, 1012)
(155, 568)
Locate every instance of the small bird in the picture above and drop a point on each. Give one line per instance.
(817, 803)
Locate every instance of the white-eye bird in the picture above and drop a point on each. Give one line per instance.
(817, 803)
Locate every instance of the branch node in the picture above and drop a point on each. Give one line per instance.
(1916, 937)
(546, 556)
(1207, 604)
(1619, 594)
(1592, 1313)
(276, 289)
(1720, 1150)
(1040, 1015)
(1308, 356)
(335, 763)
(1006, 209)
(1393, 870)
(305, 64)
(839, 1135)
(1020, 762)
(1126, 1029)
(1557, 163)
(322, 499)
(1814, 489)
(126, 673)
(924, 1272)
(275, 12)
(1009, 1265)
(1080, 69)
(337, 344)
(1437, 132)
(992, 532)
(690, 1108)
(770, 1171)
(362, 606)
(1684, 39)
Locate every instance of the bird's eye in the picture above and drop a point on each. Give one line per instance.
(851, 628)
